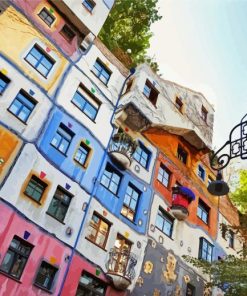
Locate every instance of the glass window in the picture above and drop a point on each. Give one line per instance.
(204, 114)
(205, 250)
(67, 33)
(62, 138)
(130, 202)
(46, 16)
(59, 204)
(182, 154)
(179, 104)
(86, 102)
(142, 155)
(88, 4)
(150, 92)
(100, 70)
(46, 275)
(203, 211)
(111, 179)
(39, 60)
(98, 230)
(22, 106)
(164, 175)
(164, 222)
(190, 290)
(4, 81)
(90, 286)
(16, 257)
(35, 188)
(82, 154)
(231, 239)
(201, 172)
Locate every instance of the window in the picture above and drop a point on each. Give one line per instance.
(39, 60)
(59, 204)
(201, 172)
(164, 175)
(67, 33)
(205, 250)
(204, 114)
(190, 290)
(16, 257)
(203, 211)
(231, 239)
(223, 230)
(35, 188)
(130, 202)
(182, 154)
(46, 16)
(88, 4)
(22, 106)
(46, 275)
(100, 70)
(179, 104)
(150, 92)
(82, 154)
(210, 179)
(4, 81)
(62, 138)
(142, 155)
(164, 222)
(98, 230)
(111, 179)
(90, 286)
(86, 102)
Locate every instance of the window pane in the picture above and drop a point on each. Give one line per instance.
(8, 261)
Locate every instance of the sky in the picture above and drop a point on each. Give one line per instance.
(202, 44)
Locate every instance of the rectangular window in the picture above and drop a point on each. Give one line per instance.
(201, 172)
(46, 16)
(35, 188)
(98, 230)
(86, 102)
(164, 222)
(111, 179)
(164, 175)
(205, 250)
(223, 230)
(89, 4)
(101, 71)
(142, 155)
(39, 60)
(130, 202)
(22, 106)
(46, 276)
(150, 92)
(90, 285)
(190, 290)
(82, 154)
(59, 204)
(203, 211)
(204, 113)
(67, 33)
(179, 104)
(62, 138)
(4, 81)
(16, 257)
(231, 239)
(182, 154)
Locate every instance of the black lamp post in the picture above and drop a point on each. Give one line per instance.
(236, 146)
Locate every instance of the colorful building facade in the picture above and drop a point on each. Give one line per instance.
(103, 171)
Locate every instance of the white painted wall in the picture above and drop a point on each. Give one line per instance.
(30, 159)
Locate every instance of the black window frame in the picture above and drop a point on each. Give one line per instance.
(39, 274)
(150, 92)
(204, 114)
(44, 9)
(110, 168)
(103, 68)
(167, 219)
(231, 236)
(208, 245)
(89, 5)
(192, 288)
(145, 150)
(67, 33)
(69, 140)
(127, 205)
(179, 104)
(182, 154)
(204, 209)
(87, 288)
(162, 173)
(39, 183)
(6, 80)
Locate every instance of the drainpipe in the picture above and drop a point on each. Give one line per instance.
(132, 71)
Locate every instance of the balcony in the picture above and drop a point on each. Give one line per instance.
(121, 149)
(120, 266)
(181, 199)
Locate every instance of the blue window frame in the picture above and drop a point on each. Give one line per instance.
(82, 154)
(130, 202)
(100, 70)
(22, 106)
(205, 250)
(164, 175)
(142, 155)
(88, 4)
(39, 60)
(62, 138)
(203, 211)
(111, 179)
(164, 222)
(201, 172)
(4, 81)
(86, 103)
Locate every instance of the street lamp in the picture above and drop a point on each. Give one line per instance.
(236, 146)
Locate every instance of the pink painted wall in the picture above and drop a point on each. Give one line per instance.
(32, 8)
(45, 248)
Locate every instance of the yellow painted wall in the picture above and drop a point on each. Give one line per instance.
(17, 36)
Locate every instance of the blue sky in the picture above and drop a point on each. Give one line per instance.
(202, 44)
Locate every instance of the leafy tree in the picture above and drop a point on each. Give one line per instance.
(127, 28)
